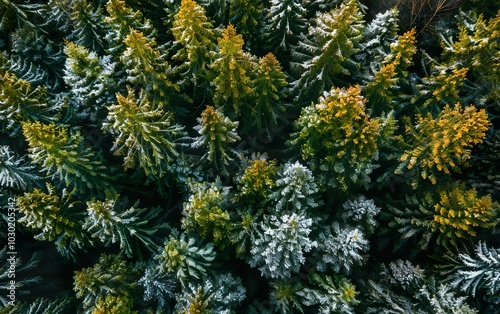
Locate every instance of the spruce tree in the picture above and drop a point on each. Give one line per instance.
(233, 71)
(326, 57)
(63, 156)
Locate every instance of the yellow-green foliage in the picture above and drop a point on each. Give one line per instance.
(144, 133)
(442, 144)
(63, 156)
(258, 179)
(194, 32)
(478, 48)
(203, 213)
(113, 304)
(145, 66)
(217, 132)
(460, 212)
(379, 90)
(232, 69)
(338, 135)
(197, 304)
(448, 86)
(19, 101)
(42, 212)
(108, 283)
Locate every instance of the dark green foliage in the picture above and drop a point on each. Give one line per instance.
(325, 57)
(54, 218)
(16, 273)
(112, 221)
(474, 273)
(285, 23)
(16, 172)
(89, 28)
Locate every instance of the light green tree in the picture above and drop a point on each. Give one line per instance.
(63, 156)
(217, 135)
(205, 212)
(233, 71)
(197, 39)
(54, 218)
(144, 133)
(337, 136)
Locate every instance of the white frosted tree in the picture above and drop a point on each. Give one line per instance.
(361, 213)
(279, 250)
(341, 248)
(476, 272)
(16, 172)
(296, 189)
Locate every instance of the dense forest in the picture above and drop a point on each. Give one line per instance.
(250, 156)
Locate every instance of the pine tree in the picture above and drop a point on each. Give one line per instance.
(453, 216)
(441, 87)
(145, 134)
(41, 51)
(91, 80)
(269, 91)
(378, 36)
(441, 144)
(16, 172)
(476, 48)
(217, 133)
(285, 23)
(361, 213)
(112, 221)
(147, 68)
(380, 91)
(123, 20)
(326, 57)
(329, 294)
(476, 273)
(158, 286)
(62, 155)
(279, 250)
(247, 16)
(233, 71)
(205, 212)
(338, 136)
(18, 14)
(220, 295)
(283, 296)
(257, 180)
(89, 27)
(106, 285)
(405, 288)
(196, 36)
(21, 102)
(341, 248)
(218, 10)
(296, 190)
(186, 257)
(54, 218)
